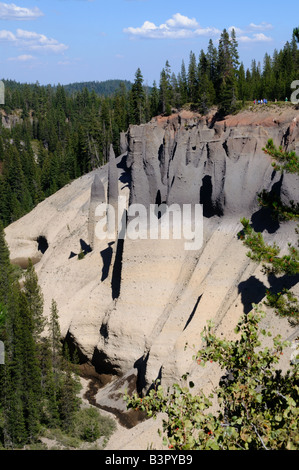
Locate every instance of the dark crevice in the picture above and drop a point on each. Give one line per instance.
(161, 207)
(42, 243)
(285, 137)
(219, 116)
(107, 258)
(104, 331)
(161, 157)
(253, 291)
(73, 349)
(123, 163)
(157, 381)
(263, 218)
(140, 365)
(224, 145)
(173, 150)
(84, 247)
(102, 364)
(210, 209)
(117, 269)
(193, 312)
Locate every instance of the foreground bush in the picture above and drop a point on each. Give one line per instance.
(90, 425)
(257, 402)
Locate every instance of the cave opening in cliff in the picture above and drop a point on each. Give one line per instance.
(210, 209)
(42, 244)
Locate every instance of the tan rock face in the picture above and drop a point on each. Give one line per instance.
(134, 304)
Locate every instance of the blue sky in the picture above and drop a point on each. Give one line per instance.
(63, 41)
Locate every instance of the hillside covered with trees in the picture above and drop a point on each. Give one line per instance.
(51, 135)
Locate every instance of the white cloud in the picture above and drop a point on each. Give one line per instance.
(13, 12)
(32, 41)
(237, 30)
(261, 27)
(181, 21)
(250, 35)
(257, 37)
(67, 61)
(22, 58)
(7, 36)
(177, 27)
(36, 41)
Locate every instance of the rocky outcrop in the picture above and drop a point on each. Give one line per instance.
(10, 120)
(222, 166)
(97, 196)
(129, 306)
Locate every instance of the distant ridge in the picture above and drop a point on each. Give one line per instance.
(105, 88)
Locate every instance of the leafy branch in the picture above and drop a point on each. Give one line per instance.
(285, 303)
(257, 404)
(285, 161)
(280, 211)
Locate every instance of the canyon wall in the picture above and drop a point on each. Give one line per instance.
(130, 306)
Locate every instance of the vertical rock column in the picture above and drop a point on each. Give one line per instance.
(97, 196)
(112, 212)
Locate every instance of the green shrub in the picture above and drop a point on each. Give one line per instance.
(90, 425)
(257, 403)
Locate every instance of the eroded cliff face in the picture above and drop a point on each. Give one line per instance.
(189, 159)
(130, 306)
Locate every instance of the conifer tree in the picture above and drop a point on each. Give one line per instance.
(27, 360)
(35, 300)
(227, 82)
(137, 98)
(192, 79)
(183, 84)
(5, 268)
(165, 90)
(55, 336)
(154, 100)
(50, 387)
(212, 57)
(51, 364)
(68, 400)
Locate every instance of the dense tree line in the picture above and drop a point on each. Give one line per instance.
(37, 382)
(53, 139)
(217, 77)
(106, 88)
